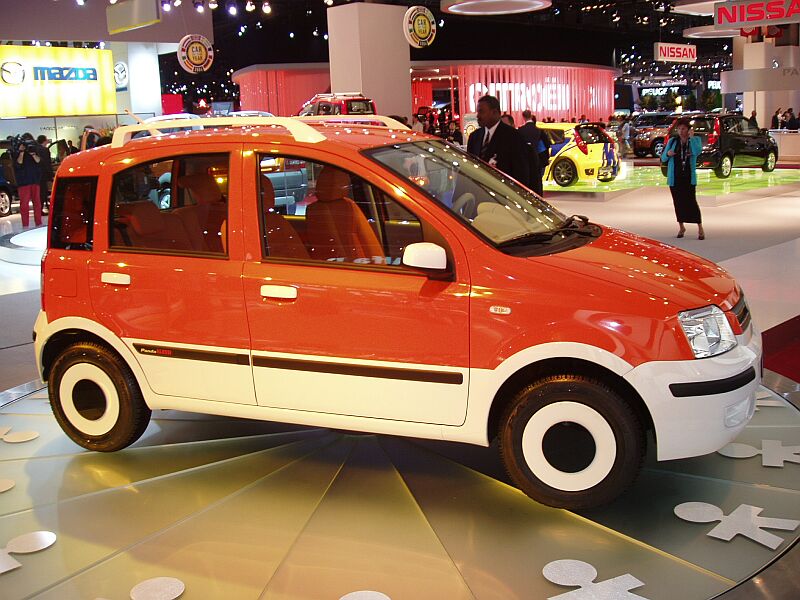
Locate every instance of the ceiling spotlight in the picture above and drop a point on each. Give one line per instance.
(231, 7)
(291, 34)
(199, 5)
(250, 6)
(266, 8)
(166, 6)
(212, 4)
(176, 3)
(112, 1)
(80, 2)
(329, 2)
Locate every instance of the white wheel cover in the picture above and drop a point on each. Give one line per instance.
(71, 378)
(595, 424)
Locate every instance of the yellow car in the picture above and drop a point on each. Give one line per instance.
(579, 152)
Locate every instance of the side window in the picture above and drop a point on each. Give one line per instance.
(746, 127)
(731, 126)
(71, 223)
(314, 211)
(324, 108)
(176, 205)
(591, 135)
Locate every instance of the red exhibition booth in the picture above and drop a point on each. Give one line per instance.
(558, 90)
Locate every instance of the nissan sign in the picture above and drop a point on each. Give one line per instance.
(678, 53)
(753, 13)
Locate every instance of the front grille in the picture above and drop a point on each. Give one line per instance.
(742, 313)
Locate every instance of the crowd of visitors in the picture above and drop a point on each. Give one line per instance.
(785, 119)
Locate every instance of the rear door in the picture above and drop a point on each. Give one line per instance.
(166, 272)
(601, 154)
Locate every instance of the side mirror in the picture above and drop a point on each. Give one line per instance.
(426, 256)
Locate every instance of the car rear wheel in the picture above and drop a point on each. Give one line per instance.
(571, 442)
(657, 148)
(769, 163)
(5, 203)
(564, 172)
(725, 167)
(96, 399)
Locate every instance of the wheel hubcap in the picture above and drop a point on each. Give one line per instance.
(5, 202)
(569, 446)
(771, 161)
(659, 148)
(89, 399)
(726, 165)
(564, 172)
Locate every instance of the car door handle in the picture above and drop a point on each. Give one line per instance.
(115, 278)
(279, 292)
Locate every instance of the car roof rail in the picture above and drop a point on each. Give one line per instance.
(355, 119)
(300, 131)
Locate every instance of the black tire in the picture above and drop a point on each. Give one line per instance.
(96, 399)
(725, 168)
(657, 148)
(770, 162)
(564, 172)
(5, 203)
(596, 459)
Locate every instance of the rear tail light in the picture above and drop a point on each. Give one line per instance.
(713, 137)
(41, 279)
(580, 143)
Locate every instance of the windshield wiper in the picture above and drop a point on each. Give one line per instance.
(570, 225)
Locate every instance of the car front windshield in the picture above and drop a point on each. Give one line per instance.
(484, 198)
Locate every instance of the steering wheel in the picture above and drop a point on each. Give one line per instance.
(466, 205)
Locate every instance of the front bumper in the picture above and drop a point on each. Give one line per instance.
(699, 406)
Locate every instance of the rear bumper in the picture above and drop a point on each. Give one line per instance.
(699, 406)
(709, 159)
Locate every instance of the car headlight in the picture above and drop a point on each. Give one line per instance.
(707, 330)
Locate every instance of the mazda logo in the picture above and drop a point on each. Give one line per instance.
(12, 73)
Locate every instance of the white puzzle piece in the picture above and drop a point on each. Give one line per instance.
(24, 544)
(773, 452)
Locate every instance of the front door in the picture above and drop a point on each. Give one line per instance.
(337, 324)
(167, 284)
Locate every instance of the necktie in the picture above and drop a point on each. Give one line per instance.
(485, 145)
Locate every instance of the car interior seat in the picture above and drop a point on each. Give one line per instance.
(282, 238)
(205, 211)
(336, 228)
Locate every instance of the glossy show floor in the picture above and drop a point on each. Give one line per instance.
(222, 508)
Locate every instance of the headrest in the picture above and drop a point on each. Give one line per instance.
(332, 184)
(202, 186)
(145, 218)
(165, 179)
(267, 192)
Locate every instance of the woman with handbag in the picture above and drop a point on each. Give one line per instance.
(680, 154)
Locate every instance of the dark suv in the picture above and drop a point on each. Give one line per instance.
(731, 141)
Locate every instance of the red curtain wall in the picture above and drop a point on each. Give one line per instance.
(421, 94)
(558, 92)
(281, 92)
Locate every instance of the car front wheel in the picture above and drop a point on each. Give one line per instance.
(725, 167)
(769, 163)
(564, 172)
(571, 442)
(5, 203)
(96, 399)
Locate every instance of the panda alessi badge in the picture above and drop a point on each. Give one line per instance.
(195, 53)
(419, 27)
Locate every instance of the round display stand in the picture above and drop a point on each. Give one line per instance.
(211, 507)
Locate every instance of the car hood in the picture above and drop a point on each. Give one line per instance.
(648, 267)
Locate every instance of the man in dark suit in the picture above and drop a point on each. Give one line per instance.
(498, 144)
(538, 147)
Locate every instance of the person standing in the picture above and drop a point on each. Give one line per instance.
(498, 144)
(46, 168)
(625, 137)
(752, 120)
(776, 120)
(28, 175)
(680, 154)
(71, 147)
(533, 138)
(792, 123)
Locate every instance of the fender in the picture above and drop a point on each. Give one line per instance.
(45, 330)
(485, 383)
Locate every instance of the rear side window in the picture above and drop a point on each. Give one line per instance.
(173, 205)
(702, 125)
(359, 107)
(591, 134)
(556, 136)
(71, 224)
